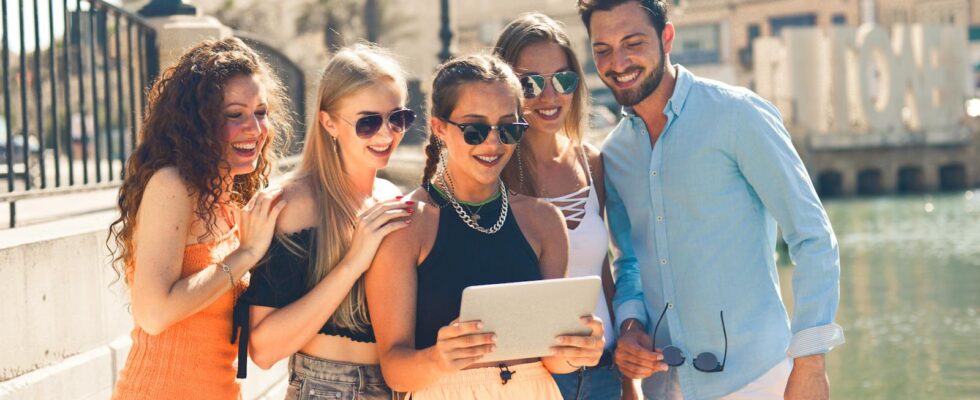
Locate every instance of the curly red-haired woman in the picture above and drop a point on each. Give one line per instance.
(185, 237)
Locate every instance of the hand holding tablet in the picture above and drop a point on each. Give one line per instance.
(460, 344)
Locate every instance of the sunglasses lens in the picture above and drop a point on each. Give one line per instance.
(673, 356)
(533, 86)
(565, 82)
(401, 120)
(512, 133)
(475, 134)
(367, 126)
(706, 362)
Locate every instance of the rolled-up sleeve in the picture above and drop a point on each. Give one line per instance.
(628, 301)
(766, 157)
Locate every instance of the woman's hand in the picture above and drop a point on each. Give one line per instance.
(582, 351)
(458, 345)
(372, 227)
(259, 222)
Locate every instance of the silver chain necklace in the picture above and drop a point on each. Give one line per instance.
(505, 205)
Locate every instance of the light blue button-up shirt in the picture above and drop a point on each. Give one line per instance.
(693, 224)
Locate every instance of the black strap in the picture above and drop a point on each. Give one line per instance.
(240, 328)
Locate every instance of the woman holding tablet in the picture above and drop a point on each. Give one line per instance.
(469, 231)
(306, 299)
(556, 165)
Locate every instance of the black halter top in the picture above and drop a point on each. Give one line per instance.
(462, 257)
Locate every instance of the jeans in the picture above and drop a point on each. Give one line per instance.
(312, 378)
(602, 382)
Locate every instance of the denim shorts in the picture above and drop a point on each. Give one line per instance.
(592, 383)
(312, 378)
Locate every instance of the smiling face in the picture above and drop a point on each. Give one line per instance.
(628, 52)
(380, 98)
(244, 124)
(488, 103)
(547, 112)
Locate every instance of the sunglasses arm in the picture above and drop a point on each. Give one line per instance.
(656, 327)
(724, 332)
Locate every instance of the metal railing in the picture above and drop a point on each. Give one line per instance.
(74, 80)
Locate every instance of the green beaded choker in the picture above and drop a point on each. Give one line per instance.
(492, 198)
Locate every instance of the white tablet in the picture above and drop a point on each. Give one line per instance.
(527, 316)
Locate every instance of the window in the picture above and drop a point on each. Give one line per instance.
(697, 44)
(778, 23)
(745, 54)
(974, 33)
(839, 19)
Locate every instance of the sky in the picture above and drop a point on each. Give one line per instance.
(13, 21)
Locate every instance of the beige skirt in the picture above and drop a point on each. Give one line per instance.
(528, 381)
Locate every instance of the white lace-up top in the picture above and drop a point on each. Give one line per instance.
(588, 239)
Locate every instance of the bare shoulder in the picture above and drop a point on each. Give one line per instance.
(166, 211)
(384, 189)
(167, 190)
(424, 223)
(300, 211)
(594, 156)
(535, 213)
(591, 152)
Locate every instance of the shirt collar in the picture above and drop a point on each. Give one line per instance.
(685, 79)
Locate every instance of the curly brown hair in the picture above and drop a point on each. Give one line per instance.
(181, 128)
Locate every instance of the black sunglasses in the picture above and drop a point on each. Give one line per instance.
(476, 133)
(704, 362)
(564, 82)
(369, 125)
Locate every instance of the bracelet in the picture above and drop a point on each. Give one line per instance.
(227, 269)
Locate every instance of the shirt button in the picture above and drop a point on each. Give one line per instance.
(654, 173)
(663, 261)
(660, 218)
(670, 305)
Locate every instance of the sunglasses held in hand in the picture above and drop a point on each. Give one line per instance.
(704, 362)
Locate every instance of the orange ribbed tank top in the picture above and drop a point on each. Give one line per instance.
(192, 359)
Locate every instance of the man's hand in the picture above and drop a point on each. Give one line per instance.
(633, 355)
(808, 379)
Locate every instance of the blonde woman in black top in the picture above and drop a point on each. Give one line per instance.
(469, 231)
(306, 299)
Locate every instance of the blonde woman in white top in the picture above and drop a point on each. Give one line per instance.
(553, 163)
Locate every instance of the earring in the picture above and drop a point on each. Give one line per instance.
(442, 159)
(520, 169)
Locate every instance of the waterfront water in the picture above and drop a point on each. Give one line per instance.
(910, 297)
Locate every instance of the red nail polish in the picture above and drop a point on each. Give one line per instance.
(398, 197)
(411, 203)
(410, 210)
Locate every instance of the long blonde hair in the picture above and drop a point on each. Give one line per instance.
(528, 29)
(351, 69)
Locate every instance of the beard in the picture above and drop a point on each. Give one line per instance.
(631, 97)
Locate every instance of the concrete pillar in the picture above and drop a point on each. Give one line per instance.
(930, 175)
(178, 33)
(889, 178)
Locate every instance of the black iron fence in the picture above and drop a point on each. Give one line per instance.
(74, 78)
